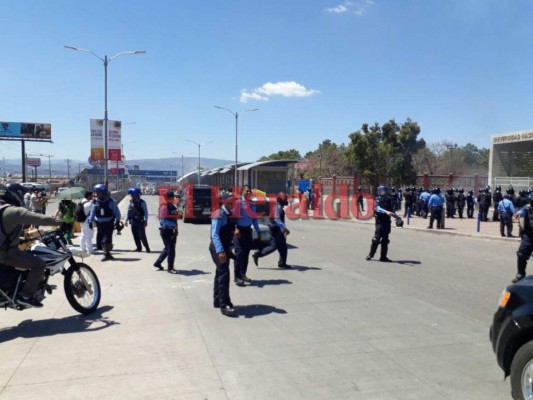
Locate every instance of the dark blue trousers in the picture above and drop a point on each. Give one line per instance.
(243, 245)
(139, 234)
(277, 242)
(222, 277)
(169, 241)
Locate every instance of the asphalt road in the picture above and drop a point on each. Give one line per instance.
(333, 327)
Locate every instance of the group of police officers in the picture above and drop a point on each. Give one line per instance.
(421, 202)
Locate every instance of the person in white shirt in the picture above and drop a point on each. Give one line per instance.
(86, 240)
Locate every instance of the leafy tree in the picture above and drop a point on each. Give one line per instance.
(386, 151)
(329, 159)
(291, 154)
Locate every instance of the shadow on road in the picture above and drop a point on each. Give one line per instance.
(264, 282)
(299, 268)
(50, 327)
(192, 272)
(409, 263)
(257, 310)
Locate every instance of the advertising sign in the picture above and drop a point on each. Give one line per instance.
(27, 131)
(97, 140)
(33, 162)
(114, 129)
(114, 140)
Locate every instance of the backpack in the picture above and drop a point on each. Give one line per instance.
(79, 214)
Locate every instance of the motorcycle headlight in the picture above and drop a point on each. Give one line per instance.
(504, 298)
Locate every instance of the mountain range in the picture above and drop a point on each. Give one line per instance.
(71, 167)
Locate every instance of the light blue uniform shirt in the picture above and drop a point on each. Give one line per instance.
(246, 209)
(436, 200)
(98, 218)
(144, 208)
(506, 205)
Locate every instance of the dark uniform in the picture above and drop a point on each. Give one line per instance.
(496, 198)
(104, 213)
(470, 202)
(360, 199)
(526, 241)
(461, 200)
(137, 216)
(222, 230)
(408, 201)
(382, 214)
(168, 229)
(278, 232)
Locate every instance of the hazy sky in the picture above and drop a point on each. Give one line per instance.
(316, 69)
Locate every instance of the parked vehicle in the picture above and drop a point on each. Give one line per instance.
(511, 334)
(81, 284)
(195, 203)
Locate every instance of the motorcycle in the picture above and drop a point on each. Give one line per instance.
(81, 284)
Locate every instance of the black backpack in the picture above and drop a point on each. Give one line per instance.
(79, 214)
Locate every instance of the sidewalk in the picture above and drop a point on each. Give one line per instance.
(454, 226)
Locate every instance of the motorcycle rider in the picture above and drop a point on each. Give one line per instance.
(13, 217)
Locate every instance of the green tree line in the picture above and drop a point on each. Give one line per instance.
(389, 150)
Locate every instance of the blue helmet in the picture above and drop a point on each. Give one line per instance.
(100, 188)
(383, 190)
(134, 191)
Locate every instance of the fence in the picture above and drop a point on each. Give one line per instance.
(332, 185)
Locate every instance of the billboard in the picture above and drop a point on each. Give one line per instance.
(29, 131)
(114, 151)
(33, 162)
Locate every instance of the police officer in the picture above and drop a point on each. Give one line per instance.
(461, 200)
(449, 203)
(435, 204)
(382, 214)
(245, 215)
(526, 241)
(279, 232)
(496, 198)
(222, 231)
(408, 201)
(399, 198)
(360, 199)
(168, 229)
(470, 203)
(424, 199)
(506, 211)
(137, 216)
(103, 214)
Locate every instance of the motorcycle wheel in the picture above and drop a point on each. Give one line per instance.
(82, 288)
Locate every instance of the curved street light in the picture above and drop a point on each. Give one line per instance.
(106, 61)
(199, 145)
(236, 115)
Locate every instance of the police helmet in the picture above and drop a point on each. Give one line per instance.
(499, 188)
(510, 190)
(399, 222)
(531, 198)
(522, 193)
(119, 225)
(134, 191)
(437, 190)
(471, 192)
(383, 190)
(462, 190)
(170, 194)
(13, 194)
(100, 188)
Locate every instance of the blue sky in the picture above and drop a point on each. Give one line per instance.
(316, 69)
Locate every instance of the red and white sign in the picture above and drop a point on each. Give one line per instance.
(33, 162)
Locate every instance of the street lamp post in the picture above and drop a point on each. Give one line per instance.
(199, 145)
(236, 115)
(106, 61)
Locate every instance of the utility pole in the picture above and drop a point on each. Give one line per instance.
(68, 169)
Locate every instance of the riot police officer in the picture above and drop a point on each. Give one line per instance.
(470, 203)
(137, 216)
(526, 241)
(450, 203)
(408, 201)
(496, 198)
(461, 200)
(104, 213)
(168, 229)
(383, 212)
